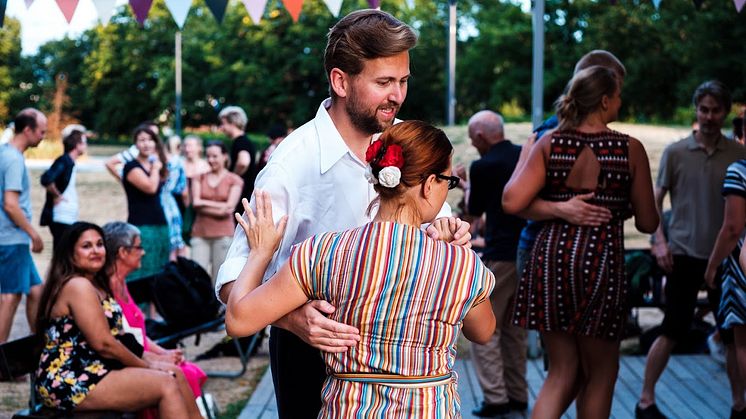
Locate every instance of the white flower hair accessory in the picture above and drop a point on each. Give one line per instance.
(389, 176)
(369, 176)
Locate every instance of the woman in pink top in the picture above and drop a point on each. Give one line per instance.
(215, 195)
(124, 248)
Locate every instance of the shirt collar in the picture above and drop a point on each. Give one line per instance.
(692, 143)
(331, 145)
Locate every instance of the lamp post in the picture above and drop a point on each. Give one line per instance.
(451, 94)
(177, 70)
(537, 78)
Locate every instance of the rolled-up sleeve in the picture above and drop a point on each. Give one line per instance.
(275, 180)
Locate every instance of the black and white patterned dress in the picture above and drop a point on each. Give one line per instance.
(574, 280)
(733, 300)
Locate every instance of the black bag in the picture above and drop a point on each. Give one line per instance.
(183, 295)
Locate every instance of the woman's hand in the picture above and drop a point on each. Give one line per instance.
(261, 233)
(169, 356)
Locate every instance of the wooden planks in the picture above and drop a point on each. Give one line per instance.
(693, 386)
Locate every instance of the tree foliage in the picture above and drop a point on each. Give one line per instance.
(120, 74)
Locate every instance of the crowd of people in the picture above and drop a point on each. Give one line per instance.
(341, 238)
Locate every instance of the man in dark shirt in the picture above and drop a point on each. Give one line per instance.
(233, 122)
(501, 364)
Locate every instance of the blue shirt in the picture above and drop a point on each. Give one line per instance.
(13, 177)
(529, 233)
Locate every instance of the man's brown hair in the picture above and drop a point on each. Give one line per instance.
(365, 35)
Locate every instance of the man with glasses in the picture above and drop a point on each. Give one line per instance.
(500, 364)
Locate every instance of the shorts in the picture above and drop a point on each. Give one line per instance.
(17, 270)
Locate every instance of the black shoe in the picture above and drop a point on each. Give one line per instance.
(517, 406)
(737, 414)
(650, 412)
(489, 410)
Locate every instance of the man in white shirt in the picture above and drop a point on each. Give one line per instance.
(317, 177)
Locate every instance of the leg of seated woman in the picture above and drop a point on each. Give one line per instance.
(560, 386)
(599, 361)
(190, 400)
(132, 389)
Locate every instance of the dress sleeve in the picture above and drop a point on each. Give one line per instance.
(302, 261)
(484, 281)
(735, 179)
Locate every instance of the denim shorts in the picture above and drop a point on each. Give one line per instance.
(17, 270)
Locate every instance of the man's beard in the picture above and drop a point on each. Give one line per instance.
(365, 120)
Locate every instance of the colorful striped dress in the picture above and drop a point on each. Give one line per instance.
(575, 280)
(733, 300)
(408, 295)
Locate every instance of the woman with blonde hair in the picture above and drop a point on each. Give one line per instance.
(408, 294)
(574, 287)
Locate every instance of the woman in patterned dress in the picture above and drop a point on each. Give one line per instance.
(81, 365)
(408, 294)
(728, 247)
(574, 287)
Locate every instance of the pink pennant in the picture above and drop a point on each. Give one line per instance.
(374, 4)
(68, 8)
(141, 9)
(739, 4)
(28, 3)
(293, 7)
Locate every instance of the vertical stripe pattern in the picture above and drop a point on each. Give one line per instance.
(733, 300)
(408, 295)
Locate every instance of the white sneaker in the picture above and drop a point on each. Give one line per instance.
(212, 407)
(717, 349)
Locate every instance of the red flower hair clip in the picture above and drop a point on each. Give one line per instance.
(388, 160)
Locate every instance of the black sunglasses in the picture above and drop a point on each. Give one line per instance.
(453, 181)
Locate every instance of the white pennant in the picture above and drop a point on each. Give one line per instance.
(657, 4)
(104, 8)
(410, 4)
(28, 3)
(334, 6)
(179, 10)
(255, 9)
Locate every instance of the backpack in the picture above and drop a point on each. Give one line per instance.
(183, 295)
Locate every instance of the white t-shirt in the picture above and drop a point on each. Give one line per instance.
(66, 211)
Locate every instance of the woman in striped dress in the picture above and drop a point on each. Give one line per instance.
(408, 295)
(574, 287)
(725, 254)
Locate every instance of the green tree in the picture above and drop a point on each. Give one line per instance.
(10, 58)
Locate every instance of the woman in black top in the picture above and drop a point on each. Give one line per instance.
(142, 179)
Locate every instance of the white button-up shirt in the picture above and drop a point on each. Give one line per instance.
(316, 180)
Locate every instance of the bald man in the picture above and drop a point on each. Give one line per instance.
(18, 274)
(500, 364)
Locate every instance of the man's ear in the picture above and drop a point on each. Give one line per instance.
(339, 81)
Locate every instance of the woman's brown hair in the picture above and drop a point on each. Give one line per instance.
(426, 151)
(584, 94)
(158, 147)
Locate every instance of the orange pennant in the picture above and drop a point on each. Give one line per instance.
(68, 8)
(293, 7)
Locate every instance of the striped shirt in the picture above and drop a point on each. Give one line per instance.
(408, 295)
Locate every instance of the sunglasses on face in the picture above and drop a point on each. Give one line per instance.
(453, 181)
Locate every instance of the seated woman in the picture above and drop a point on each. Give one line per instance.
(124, 248)
(83, 366)
(408, 294)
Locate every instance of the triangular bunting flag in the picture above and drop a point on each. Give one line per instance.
(3, 3)
(217, 7)
(334, 6)
(739, 4)
(179, 10)
(657, 4)
(68, 8)
(105, 9)
(255, 9)
(613, 2)
(141, 8)
(698, 4)
(374, 4)
(410, 4)
(293, 7)
(28, 3)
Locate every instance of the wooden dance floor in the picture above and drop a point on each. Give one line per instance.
(693, 386)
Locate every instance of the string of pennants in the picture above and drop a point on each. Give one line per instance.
(180, 8)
